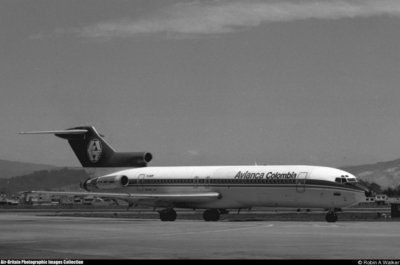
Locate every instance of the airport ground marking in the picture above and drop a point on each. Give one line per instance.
(217, 231)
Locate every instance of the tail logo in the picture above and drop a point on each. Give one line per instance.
(94, 150)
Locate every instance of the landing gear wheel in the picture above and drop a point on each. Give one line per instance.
(211, 215)
(167, 215)
(331, 217)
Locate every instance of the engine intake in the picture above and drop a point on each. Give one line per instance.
(124, 181)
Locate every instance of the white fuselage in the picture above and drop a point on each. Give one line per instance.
(243, 186)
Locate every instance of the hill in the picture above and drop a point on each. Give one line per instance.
(385, 174)
(44, 180)
(10, 169)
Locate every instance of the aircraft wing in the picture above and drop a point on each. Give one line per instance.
(138, 197)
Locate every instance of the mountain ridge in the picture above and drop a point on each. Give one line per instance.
(385, 174)
(9, 169)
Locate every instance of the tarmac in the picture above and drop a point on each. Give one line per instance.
(29, 235)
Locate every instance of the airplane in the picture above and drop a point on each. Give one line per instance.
(214, 189)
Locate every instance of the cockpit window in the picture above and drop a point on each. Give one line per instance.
(345, 179)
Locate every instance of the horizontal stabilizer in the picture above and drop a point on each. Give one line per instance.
(77, 131)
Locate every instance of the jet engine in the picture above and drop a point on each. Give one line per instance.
(136, 159)
(105, 182)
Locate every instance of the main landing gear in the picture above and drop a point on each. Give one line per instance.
(211, 215)
(167, 215)
(331, 216)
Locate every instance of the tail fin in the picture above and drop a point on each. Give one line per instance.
(93, 151)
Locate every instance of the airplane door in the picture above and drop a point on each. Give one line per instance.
(301, 182)
(140, 182)
(208, 181)
(196, 182)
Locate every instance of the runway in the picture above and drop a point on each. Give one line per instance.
(30, 236)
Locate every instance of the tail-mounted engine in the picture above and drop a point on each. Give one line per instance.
(105, 182)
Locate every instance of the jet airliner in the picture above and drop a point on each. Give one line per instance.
(214, 189)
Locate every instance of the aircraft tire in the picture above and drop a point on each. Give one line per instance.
(168, 215)
(331, 217)
(211, 215)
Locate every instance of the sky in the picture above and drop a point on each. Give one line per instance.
(203, 82)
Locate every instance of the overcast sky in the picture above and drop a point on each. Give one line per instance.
(204, 82)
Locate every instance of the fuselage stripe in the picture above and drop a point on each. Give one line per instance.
(295, 186)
